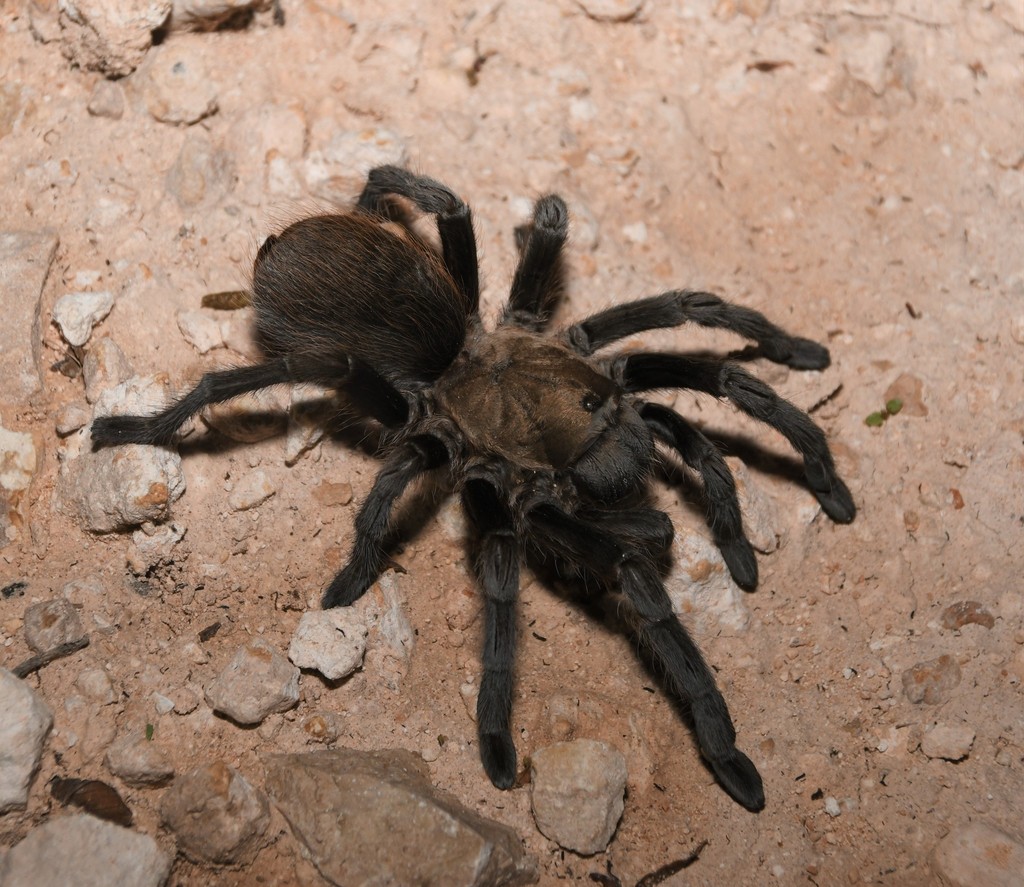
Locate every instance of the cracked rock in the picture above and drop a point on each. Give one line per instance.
(406, 830)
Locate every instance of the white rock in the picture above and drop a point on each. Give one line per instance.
(251, 490)
(18, 460)
(201, 329)
(95, 684)
(121, 487)
(701, 588)
(25, 261)
(330, 641)
(761, 522)
(952, 742)
(577, 790)
(85, 851)
(977, 854)
(338, 170)
(26, 721)
(138, 760)
(77, 313)
(111, 36)
(256, 683)
(866, 57)
(104, 367)
(176, 85)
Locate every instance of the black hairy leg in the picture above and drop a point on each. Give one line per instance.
(643, 372)
(538, 274)
(679, 306)
(373, 522)
(722, 507)
(663, 638)
(454, 221)
(367, 389)
(497, 569)
(215, 387)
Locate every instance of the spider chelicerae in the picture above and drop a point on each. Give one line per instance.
(549, 447)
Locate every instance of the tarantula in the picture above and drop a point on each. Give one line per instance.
(549, 448)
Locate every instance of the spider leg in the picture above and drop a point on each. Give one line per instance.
(367, 389)
(679, 306)
(538, 274)
(498, 572)
(373, 522)
(454, 221)
(643, 372)
(667, 641)
(214, 387)
(721, 503)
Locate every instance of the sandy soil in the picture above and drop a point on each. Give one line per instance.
(856, 174)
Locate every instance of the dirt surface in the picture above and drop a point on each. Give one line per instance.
(855, 174)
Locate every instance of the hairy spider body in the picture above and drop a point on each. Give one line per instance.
(549, 447)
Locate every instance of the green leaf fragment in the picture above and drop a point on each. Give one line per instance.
(149, 732)
(892, 407)
(874, 420)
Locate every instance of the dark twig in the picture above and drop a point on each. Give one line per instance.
(666, 871)
(34, 663)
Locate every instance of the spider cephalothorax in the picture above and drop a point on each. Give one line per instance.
(548, 447)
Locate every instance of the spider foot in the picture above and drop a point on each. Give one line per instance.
(739, 558)
(498, 755)
(344, 590)
(739, 777)
(837, 502)
(800, 354)
(118, 430)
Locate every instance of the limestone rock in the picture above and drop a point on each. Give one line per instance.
(577, 791)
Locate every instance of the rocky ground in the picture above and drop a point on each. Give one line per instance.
(854, 169)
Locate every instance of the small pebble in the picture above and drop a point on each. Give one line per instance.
(966, 613)
(950, 742)
(256, 683)
(832, 806)
(52, 623)
(107, 100)
(252, 490)
(933, 681)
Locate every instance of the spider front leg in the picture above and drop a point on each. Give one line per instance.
(663, 636)
(644, 372)
(373, 522)
(538, 274)
(721, 503)
(497, 567)
(679, 306)
(454, 221)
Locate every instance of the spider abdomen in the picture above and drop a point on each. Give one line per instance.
(346, 284)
